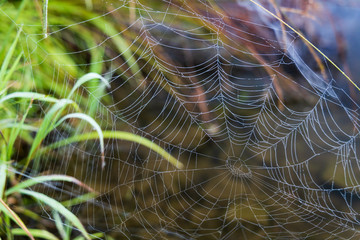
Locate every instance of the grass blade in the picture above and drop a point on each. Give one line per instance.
(86, 78)
(46, 126)
(121, 136)
(29, 95)
(38, 233)
(3, 168)
(95, 126)
(56, 206)
(13, 68)
(15, 132)
(7, 59)
(99, 235)
(45, 17)
(80, 199)
(7, 210)
(42, 179)
(60, 226)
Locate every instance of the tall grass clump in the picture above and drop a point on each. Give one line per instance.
(16, 125)
(34, 105)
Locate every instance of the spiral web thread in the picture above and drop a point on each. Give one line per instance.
(268, 140)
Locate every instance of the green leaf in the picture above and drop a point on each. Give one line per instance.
(60, 226)
(38, 233)
(7, 210)
(9, 123)
(13, 68)
(45, 17)
(80, 199)
(29, 95)
(95, 126)
(46, 126)
(15, 132)
(6, 62)
(42, 179)
(3, 169)
(55, 205)
(86, 78)
(93, 236)
(121, 136)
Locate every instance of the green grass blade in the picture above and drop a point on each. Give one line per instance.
(93, 236)
(80, 199)
(60, 226)
(56, 206)
(121, 136)
(38, 233)
(86, 78)
(121, 43)
(45, 17)
(27, 213)
(42, 179)
(7, 59)
(13, 25)
(89, 5)
(12, 124)
(46, 126)
(29, 95)
(15, 132)
(95, 126)
(3, 169)
(7, 210)
(14, 66)
(97, 55)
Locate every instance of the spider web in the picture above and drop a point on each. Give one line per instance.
(266, 128)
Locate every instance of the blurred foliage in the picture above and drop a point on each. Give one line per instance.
(43, 52)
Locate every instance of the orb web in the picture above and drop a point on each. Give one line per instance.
(266, 128)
